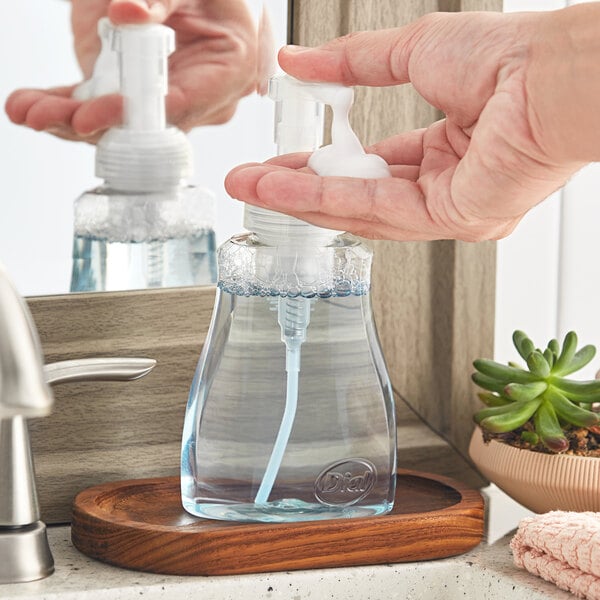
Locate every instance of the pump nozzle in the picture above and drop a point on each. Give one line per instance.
(299, 116)
(345, 156)
(299, 127)
(105, 77)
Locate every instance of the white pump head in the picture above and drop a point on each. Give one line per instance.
(144, 154)
(299, 128)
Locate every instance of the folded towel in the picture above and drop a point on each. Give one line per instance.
(562, 547)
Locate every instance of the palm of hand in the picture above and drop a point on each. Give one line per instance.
(479, 170)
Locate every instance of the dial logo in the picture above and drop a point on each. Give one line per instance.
(345, 482)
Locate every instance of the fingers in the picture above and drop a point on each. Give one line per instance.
(454, 60)
(392, 208)
(296, 160)
(56, 112)
(47, 111)
(402, 149)
(350, 59)
(20, 101)
(39, 109)
(98, 114)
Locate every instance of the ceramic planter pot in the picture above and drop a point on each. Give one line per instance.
(540, 482)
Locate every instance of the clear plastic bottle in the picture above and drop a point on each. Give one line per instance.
(144, 227)
(290, 415)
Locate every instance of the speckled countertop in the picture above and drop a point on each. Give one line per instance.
(485, 573)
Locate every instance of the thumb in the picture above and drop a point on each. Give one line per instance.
(133, 12)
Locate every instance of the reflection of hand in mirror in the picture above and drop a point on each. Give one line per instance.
(213, 66)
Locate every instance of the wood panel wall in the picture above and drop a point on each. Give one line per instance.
(433, 302)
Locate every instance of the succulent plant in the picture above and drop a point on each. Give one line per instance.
(541, 395)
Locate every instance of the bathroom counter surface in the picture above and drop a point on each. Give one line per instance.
(485, 573)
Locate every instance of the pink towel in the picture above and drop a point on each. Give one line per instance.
(562, 547)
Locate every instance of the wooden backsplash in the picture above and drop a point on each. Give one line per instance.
(102, 431)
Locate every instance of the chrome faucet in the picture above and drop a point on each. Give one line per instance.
(24, 393)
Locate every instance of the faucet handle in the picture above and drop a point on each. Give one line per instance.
(98, 369)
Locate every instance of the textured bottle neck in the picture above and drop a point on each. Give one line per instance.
(157, 192)
(143, 161)
(276, 229)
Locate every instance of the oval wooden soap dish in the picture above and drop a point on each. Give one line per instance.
(141, 525)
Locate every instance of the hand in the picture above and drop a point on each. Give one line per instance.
(213, 66)
(472, 176)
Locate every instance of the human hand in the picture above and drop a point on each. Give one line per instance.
(472, 176)
(213, 66)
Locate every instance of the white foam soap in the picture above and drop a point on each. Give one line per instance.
(345, 156)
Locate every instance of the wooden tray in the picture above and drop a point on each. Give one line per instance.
(141, 525)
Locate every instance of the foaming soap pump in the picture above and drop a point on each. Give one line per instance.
(291, 415)
(144, 227)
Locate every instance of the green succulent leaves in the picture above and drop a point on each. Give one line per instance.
(541, 394)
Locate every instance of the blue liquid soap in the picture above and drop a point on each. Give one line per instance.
(100, 264)
(293, 431)
(126, 241)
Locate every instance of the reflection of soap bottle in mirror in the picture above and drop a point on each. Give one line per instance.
(143, 227)
(291, 416)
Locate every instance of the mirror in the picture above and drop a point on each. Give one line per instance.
(43, 175)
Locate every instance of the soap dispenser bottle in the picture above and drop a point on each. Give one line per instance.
(144, 227)
(290, 415)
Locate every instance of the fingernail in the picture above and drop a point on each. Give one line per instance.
(141, 3)
(292, 49)
(158, 11)
(155, 8)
